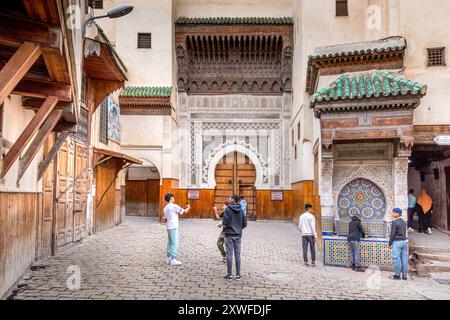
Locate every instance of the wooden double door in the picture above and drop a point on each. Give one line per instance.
(142, 197)
(235, 173)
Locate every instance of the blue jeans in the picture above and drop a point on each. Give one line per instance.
(400, 256)
(233, 246)
(355, 255)
(172, 243)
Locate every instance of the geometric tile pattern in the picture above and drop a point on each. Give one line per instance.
(328, 224)
(362, 198)
(373, 253)
(372, 228)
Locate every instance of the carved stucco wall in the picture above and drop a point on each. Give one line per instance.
(210, 124)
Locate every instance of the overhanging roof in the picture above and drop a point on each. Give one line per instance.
(115, 154)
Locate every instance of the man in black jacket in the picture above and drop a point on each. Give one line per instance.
(355, 232)
(233, 222)
(399, 245)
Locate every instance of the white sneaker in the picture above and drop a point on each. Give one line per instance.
(429, 231)
(175, 262)
(168, 260)
(410, 229)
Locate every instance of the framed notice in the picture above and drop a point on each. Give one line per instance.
(193, 194)
(276, 195)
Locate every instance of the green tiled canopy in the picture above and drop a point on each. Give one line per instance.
(366, 86)
(146, 92)
(235, 20)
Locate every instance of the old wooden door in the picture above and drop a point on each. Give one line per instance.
(80, 191)
(235, 174)
(64, 193)
(46, 222)
(105, 200)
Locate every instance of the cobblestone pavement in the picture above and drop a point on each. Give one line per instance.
(127, 262)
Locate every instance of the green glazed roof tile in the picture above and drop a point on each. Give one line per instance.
(110, 46)
(367, 85)
(235, 20)
(146, 92)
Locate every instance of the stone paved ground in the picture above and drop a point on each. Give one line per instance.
(127, 262)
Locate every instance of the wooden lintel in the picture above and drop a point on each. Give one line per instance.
(51, 154)
(16, 30)
(17, 67)
(40, 116)
(38, 141)
(35, 103)
(42, 89)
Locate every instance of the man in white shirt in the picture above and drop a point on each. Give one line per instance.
(171, 214)
(307, 225)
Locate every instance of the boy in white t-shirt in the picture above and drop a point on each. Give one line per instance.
(171, 213)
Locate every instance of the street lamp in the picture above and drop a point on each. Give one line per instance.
(117, 12)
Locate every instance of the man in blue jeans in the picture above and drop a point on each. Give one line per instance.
(399, 245)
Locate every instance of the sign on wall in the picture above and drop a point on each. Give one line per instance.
(193, 194)
(276, 195)
(442, 140)
(113, 121)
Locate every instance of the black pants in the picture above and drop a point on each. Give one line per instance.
(312, 245)
(424, 221)
(410, 218)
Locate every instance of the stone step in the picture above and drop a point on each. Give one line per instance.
(425, 269)
(431, 250)
(433, 257)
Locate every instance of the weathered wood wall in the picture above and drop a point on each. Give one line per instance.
(142, 197)
(19, 216)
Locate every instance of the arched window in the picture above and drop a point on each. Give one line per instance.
(363, 198)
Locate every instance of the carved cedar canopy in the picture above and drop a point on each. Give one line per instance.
(220, 56)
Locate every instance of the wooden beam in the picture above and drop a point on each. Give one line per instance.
(35, 103)
(42, 89)
(40, 116)
(38, 141)
(17, 67)
(16, 30)
(51, 154)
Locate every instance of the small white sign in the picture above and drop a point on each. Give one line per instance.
(442, 140)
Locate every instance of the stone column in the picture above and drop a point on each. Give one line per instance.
(400, 175)
(184, 139)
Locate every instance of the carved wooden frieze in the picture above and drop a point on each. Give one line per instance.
(223, 59)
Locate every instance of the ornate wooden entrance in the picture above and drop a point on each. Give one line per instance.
(236, 174)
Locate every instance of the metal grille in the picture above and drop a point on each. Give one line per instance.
(103, 129)
(144, 40)
(436, 57)
(341, 8)
(96, 4)
(82, 126)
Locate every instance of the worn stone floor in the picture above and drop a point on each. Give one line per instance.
(127, 262)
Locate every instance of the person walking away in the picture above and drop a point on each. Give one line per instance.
(424, 206)
(411, 209)
(221, 239)
(399, 246)
(233, 221)
(172, 212)
(307, 225)
(355, 232)
(243, 204)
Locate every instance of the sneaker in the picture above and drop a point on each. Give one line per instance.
(394, 277)
(306, 264)
(429, 231)
(353, 267)
(238, 278)
(359, 269)
(410, 230)
(168, 260)
(228, 278)
(175, 262)
(313, 264)
(404, 277)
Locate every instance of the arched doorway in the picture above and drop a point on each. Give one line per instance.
(142, 191)
(235, 173)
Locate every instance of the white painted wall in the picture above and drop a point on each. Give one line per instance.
(15, 119)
